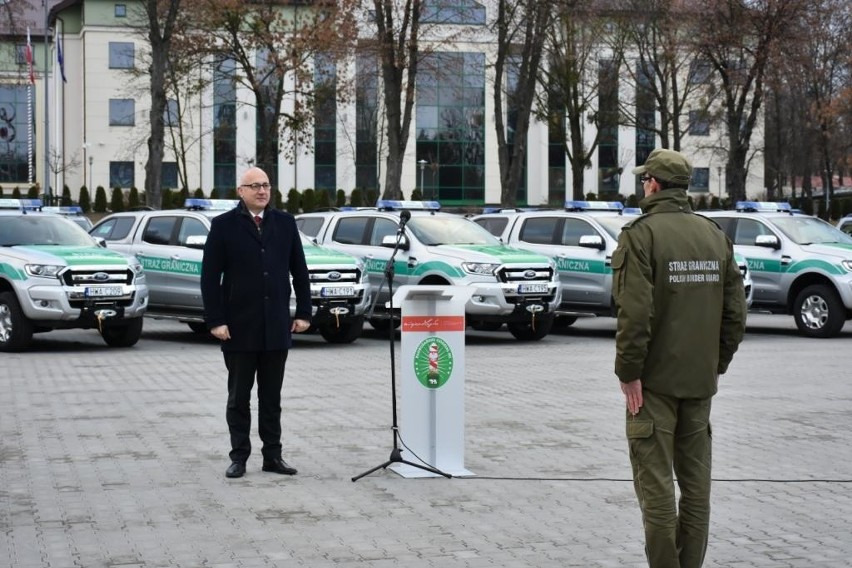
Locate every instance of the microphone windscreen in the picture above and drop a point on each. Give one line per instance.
(405, 215)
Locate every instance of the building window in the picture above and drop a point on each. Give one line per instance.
(646, 119)
(699, 72)
(325, 124)
(699, 123)
(20, 54)
(451, 126)
(453, 12)
(15, 157)
(700, 181)
(266, 126)
(121, 174)
(366, 122)
(224, 127)
(121, 55)
(121, 10)
(170, 113)
(512, 72)
(122, 112)
(608, 168)
(169, 175)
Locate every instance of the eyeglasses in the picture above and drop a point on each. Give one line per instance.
(643, 179)
(257, 186)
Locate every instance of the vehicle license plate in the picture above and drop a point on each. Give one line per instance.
(338, 291)
(102, 291)
(537, 288)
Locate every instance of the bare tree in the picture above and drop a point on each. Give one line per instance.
(739, 39)
(521, 30)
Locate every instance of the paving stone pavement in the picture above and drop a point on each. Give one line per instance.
(116, 458)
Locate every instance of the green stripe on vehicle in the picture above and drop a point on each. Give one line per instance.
(77, 256)
(12, 272)
(505, 254)
(775, 266)
(582, 265)
(170, 266)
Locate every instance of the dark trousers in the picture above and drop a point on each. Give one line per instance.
(672, 436)
(242, 368)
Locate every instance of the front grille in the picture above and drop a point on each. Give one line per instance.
(342, 276)
(89, 277)
(519, 275)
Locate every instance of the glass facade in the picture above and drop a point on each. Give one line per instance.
(556, 156)
(366, 122)
(325, 125)
(512, 70)
(453, 12)
(224, 127)
(645, 122)
(608, 174)
(15, 132)
(450, 126)
(270, 87)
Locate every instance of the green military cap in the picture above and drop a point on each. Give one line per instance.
(666, 165)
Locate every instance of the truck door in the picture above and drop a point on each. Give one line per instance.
(186, 262)
(767, 265)
(155, 250)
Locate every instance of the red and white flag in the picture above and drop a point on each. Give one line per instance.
(28, 54)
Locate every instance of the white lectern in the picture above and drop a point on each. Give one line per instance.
(432, 384)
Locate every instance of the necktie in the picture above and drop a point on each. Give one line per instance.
(257, 220)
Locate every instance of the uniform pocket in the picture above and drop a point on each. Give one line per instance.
(618, 262)
(638, 429)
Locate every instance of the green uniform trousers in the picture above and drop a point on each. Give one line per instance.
(672, 435)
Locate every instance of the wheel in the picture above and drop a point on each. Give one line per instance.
(16, 331)
(346, 333)
(819, 312)
(384, 324)
(563, 322)
(123, 334)
(197, 327)
(486, 325)
(531, 330)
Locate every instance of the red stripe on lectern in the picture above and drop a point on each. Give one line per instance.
(433, 323)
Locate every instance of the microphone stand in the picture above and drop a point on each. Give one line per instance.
(396, 452)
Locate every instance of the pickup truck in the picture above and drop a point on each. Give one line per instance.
(170, 244)
(54, 276)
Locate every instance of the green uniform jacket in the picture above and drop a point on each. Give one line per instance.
(681, 303)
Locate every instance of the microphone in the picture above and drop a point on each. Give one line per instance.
(404, 216)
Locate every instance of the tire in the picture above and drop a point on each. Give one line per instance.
(384, 324)
(486, 325)
(526, 331)
(197, 327)
(123, 334)
(819, 312)
(16, 331)
(346, 333)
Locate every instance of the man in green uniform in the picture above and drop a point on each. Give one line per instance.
(681, 317)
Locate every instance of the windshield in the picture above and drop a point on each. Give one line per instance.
(810, 231)
(35, 229)
(613, 225)
(431, 230)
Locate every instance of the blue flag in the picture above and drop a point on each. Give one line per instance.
(61, 59)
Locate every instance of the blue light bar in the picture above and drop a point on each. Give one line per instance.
(394, 205)
(64, 210)
(594, 205)
(9, 203)
(631, 211)
(764, 206)
(211, 204)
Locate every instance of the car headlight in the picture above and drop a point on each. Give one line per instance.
(847, 264)
(43, 270)
(138, 271)
(480, 267)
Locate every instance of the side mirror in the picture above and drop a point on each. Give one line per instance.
(101, 242)
(196, 241)
(592, 241)
(389, 241)
(768, 241)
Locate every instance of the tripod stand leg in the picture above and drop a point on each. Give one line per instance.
(369, 471)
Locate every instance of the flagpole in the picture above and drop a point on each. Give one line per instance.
(47, 192)
(30, 125)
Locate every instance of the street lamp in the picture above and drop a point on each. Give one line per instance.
(91, 159)
(422, 163)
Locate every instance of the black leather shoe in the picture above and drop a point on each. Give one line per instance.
(236, 469)
(278, 466)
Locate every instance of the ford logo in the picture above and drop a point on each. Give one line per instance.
(529, 274)
(334, 275)
(100, 276)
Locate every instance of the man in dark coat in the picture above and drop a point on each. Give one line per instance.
(250, 255)
(681, 317)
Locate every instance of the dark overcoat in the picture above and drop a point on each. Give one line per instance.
(245, 279)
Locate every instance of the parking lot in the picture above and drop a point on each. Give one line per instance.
(116, 457)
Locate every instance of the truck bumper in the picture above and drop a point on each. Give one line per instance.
(55, 304)
(501, 302)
